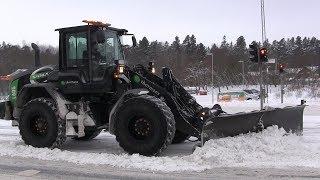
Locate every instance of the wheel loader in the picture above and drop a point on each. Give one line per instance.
(92, 89)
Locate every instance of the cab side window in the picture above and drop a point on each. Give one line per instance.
(76, 49)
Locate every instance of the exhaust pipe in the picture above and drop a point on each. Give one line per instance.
(36, 55)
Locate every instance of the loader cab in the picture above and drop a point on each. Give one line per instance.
(87, 56)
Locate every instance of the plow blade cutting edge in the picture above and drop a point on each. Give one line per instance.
(288, 118)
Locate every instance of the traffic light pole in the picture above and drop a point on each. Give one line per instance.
(260, 81)
(281, 86)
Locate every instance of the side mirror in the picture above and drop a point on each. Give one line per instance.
(134, 41)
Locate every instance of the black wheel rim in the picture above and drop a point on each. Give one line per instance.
(39, 126)
(140, 128)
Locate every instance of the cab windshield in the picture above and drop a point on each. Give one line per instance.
(106, 47)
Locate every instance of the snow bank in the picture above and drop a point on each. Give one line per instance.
(270, 148)
(165, 164)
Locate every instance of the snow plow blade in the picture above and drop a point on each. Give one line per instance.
(288, 118)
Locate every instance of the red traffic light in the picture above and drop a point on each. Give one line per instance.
(281, 68)
(263, 51)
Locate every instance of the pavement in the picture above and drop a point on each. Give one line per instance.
(26, 168)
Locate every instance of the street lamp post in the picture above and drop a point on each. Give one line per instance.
(211, 54)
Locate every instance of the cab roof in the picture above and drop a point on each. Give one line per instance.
(85, 27)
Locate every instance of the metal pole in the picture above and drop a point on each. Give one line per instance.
(263, 23)
(281, 87)
(260, 81)
(243, 79)
(212, 78)
(264, 38)
(275, 66)
(267, 84)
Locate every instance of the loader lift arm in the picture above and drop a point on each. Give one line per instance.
(184, 107)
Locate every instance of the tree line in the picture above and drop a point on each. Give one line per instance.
(189, 60)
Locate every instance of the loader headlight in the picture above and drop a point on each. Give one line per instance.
(151, 67)
(204, 113)
(119, 69)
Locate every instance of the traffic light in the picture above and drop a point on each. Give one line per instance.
(253, 51)
(263, 55)
(256, 53)
(281, 68)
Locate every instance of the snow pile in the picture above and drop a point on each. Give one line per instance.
(165, 164)
(271, 148)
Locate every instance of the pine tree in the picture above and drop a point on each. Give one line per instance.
(224, 43)
(201, 52)
(298, 47)
(144, 51)
(240, 49)
(282, 50)
(177, 51)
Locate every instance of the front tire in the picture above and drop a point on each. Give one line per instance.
(144, 125)
(40, 124)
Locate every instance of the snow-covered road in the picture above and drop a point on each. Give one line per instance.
(269, 149)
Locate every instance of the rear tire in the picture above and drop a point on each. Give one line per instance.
(40, 124)
(144, 125)
(180, 137)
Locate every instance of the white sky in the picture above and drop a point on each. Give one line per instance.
(209, 20)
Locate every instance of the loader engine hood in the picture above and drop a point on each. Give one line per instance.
(40, 75)
(17, 80)
(22, 77)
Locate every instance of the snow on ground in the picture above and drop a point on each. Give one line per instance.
(272, 148)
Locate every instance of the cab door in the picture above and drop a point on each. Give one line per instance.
(104, 52)
(74, 74)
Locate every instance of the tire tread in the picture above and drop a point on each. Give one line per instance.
(61, 135)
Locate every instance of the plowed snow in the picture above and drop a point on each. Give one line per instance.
(270, 148)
